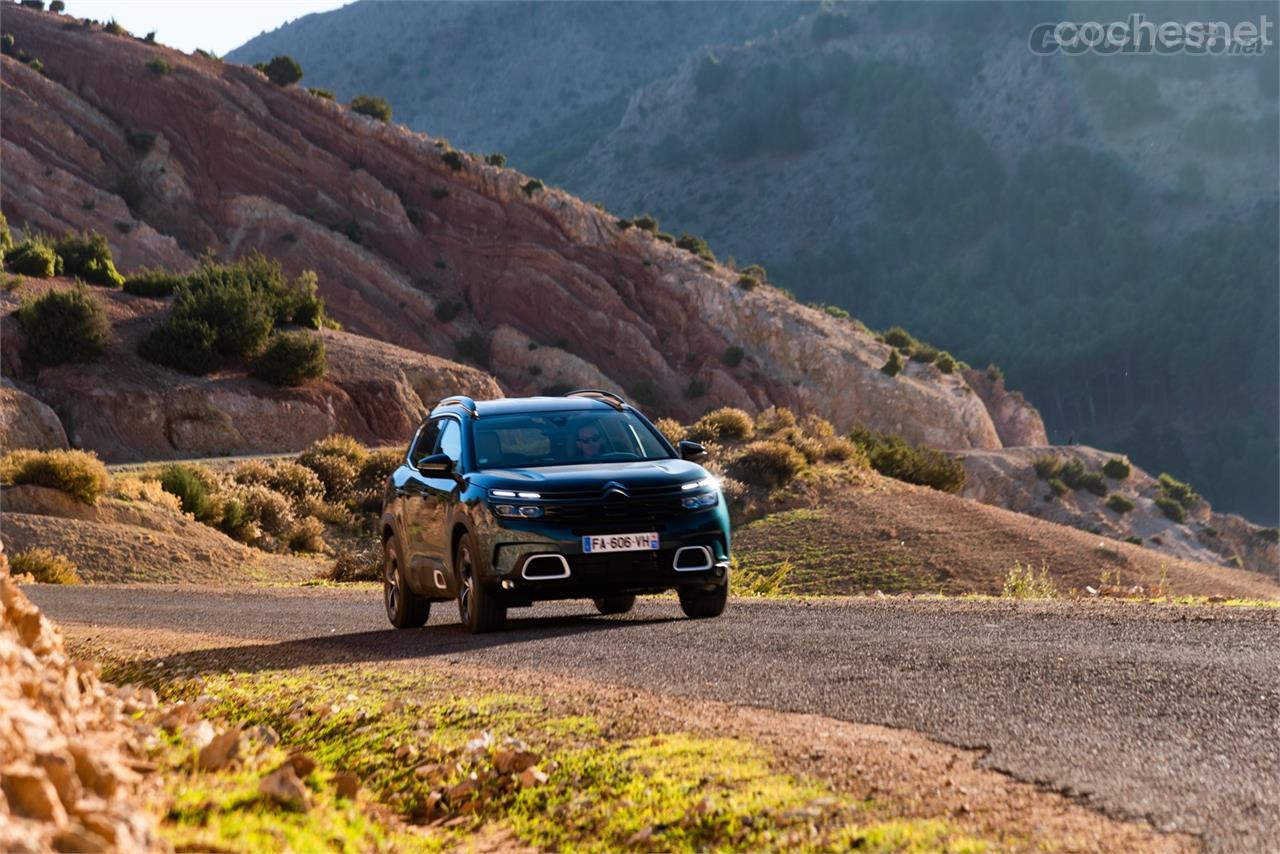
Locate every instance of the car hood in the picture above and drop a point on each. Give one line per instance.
(572, 478)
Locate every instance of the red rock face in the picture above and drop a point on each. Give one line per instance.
(212, 156)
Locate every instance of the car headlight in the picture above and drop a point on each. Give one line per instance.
(517, 511)
(705, 483)
(701, 501)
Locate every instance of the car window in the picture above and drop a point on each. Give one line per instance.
(564, 438)
(450, 441)
(426, 442)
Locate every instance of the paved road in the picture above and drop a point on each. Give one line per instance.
(1168, 714)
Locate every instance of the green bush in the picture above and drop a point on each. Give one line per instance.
(836, 311)
(646, 394)
(532, 186)
(64, 326)
(153, 283)
(775, 419)
(697, 245)
(925, 353)
(1047, 466)
(695, 389)
(890, 455)
(6, 237)
(36, 65)
(768, 463)
(1174, 489)
(307, 535)
(454, 160)
(439, 193)
(447, 310)
(79, 474)
(372, 106)
(733, 356)
(496, 159)
(185, 344)
(1271, 535)
(474, 347)
(87, 256)
(283, 71)
(1172, 508)
(995, 374)
(159, 67)
(337, 473)
(1116, 468)
(190, 488)
(6, 44)
(748, 283)
(327, 94)
(114, 28)
(45, 566)
(1119, 503)
(900, 338)
(290, 359)
(1022, 582)
(34, 257)
(1077, 476)
(298, 483)
(893, 365)
(1058, 487)
(945, 363)
(726, 423)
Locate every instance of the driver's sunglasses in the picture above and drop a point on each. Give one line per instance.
(589, 440)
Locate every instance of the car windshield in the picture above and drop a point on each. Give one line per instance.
(574, 437)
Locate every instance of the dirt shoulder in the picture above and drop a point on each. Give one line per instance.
(893, 776)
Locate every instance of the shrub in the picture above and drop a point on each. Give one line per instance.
(496, 159)
(34, 257)
(645, 393)
(149, 38)
(1175, 489)
(532, 186)
(139, 140)
(995, 374)
(1058, 487)
(1076, 475)
(1270, 535)
(327, 94)
(339, 445)
(474, 347)
(159, 67)
(697, 245)
(1119, 503)
(1172, 508)
(144, 490)
(672, 429)
(79, 474)
(192, 490)
(36, 65)
(283, 71)
(438, 193)
(925, 353)
(6, 43)
(45, 566)
(900, 338)
(725, 423)
(236, 522)
(336, 473)
(748, 283)
(182, 343)
(836, 311)
(454, 160)
(695, 389)
(733, 356)
(1116, 468)
(114, 28)
(1047, 466)
(376, 468)
(57, 6)
(307, 535)
(945, 363)
(89, 257)
(893, 365)
(1133, 541)
(1023, 582)
(372, 106)
(271, 511)
(290, 359)
(63, 327)
(153, 283)
(361, 563)
(6, 237)
(755, 271)
(751, 582)
(297, 483)
(447, 310)
(767, 463)
(889, 454)
(775, 419)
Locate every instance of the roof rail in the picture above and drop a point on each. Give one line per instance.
(600, 394)
(463, 401)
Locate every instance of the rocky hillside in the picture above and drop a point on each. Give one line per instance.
(1064, 217)
(419, 245)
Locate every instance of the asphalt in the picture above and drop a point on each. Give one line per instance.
(1167, 714)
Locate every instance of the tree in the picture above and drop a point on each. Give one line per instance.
(283, 71)
(372, 106)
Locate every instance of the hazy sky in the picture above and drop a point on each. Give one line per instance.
(190, 24)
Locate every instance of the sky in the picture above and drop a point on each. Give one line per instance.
(189, 24)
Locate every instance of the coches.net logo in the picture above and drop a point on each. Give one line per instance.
(1137, 36)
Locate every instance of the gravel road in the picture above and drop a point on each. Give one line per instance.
(1170, 714)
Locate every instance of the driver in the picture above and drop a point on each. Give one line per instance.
(589, 440)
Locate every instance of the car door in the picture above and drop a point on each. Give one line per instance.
(442, 493)
(414, 496)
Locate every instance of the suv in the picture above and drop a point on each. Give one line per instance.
(502, 503)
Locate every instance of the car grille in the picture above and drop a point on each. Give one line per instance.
(617, 516)
(618, 565)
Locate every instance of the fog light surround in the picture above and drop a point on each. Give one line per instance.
(517, 511)
(700, 502)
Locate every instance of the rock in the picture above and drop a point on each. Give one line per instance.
(199, 734)
(60, 768)
(26, 422)
(429, 771)
(508, 761)
(220, 751)
(283, 787)
(301, 764)
(30, 794)
(346, 785)
(263, 734)
(463, 790)
(532, 776)
(1017, 422)
(79, 839)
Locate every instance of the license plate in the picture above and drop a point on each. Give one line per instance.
(620, 543)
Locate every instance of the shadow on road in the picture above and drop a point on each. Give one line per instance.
(387, 645)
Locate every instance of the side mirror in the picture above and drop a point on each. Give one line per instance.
(691, 450)
(436, 465)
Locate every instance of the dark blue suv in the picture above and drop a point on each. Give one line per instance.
(502, 503)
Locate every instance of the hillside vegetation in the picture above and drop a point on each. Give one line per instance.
(1103, 230)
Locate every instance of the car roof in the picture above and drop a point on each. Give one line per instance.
(516, 405)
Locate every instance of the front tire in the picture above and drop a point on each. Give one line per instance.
(619, 604)
(405, 609)
(478, 607)
(700, 604)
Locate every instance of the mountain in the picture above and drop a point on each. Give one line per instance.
(1104, 229)
(178, 157)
